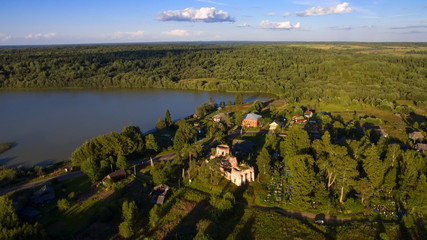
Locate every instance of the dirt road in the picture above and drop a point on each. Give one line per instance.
(41, 182)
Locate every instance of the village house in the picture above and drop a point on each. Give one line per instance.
(43, 195)
(159, 194)
(421, 147)
(237, 174)
(308, 114)
(380, 131)
(274, 125)
(218, 117)
(299, 119)
(115, 176)
(251, 120)
(415, 136)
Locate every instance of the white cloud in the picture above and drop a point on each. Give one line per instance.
(410, 27)
(286, 14)
(317, 11)
(208, 15)
(213, 2)
(278, 25)
(4, 38)
(40, 35)
(271, 14)
(344, 27)
(177, 33)
(243, 25)
(135, 34)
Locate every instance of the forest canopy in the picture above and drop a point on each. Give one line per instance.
(279, 68)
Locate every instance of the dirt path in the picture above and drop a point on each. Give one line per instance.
(298, 214)
(41, 182)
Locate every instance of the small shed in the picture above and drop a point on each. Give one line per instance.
(274, 125)
(416, 135)
(421, 147)
(116, 175)
(43, 195)
(308, 114)
(159, 194)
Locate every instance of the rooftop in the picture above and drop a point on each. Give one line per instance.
(252, 116)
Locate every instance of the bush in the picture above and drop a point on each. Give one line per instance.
(155, 215)
(222, 206)
(383, 236)
(408, 221)
(125, 230)
(63, 204)
(72, 196)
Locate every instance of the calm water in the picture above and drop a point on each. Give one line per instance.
(46, 126)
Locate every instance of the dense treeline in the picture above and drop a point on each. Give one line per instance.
(355, 176)
(274, 68)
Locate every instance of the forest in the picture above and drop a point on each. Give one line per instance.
(357, 70)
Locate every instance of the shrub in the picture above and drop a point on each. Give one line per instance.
(155, 215)
(63, 204)
(408, 221)
(72, 196)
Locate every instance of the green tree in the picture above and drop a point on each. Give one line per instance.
(155, 215)
(239, 99)
(347, 173)
(328, 157)
(151, 145)
(184, 135)
(91, 169)
(126, 228)
(135, 135)
(222, 206)
(257, 106)
(303, 179)
(238, 119)
(364, 189)
(63, 204)
(263, 161)
(229, 103)
(297, 142)
(168, 119)
(11, 228)
(373, 166)
(160, 124)
(159, 176)
(122, 162)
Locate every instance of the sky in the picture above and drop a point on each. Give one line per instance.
(44, 22)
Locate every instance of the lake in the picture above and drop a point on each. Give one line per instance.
(46, 126)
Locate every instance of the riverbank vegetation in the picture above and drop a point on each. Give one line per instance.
(307, 71)
(5, 146)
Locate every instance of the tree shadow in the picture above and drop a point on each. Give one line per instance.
(228, 225)
(187, 227)
(246, 233)
(403, 231)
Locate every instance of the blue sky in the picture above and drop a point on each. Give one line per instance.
(111, 21)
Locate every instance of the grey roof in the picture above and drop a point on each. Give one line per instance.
(159, 194)
(44, 194)
(422, 147)
(252, 116)
(416, 135)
